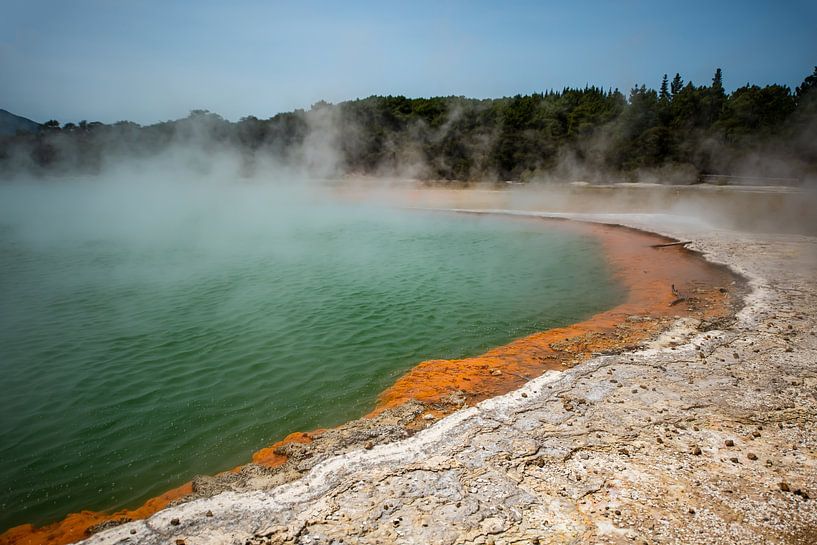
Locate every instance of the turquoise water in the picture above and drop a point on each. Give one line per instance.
(148, 336)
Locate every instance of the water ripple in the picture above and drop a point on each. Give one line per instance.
(128, 369)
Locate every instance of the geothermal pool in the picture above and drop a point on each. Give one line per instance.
(150, 335)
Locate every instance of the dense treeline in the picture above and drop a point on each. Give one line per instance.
(675, 133)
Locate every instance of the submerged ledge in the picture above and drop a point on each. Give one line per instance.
(663, 285)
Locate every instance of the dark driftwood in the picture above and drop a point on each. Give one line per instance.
(670, 244)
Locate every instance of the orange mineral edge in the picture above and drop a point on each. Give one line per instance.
(655, 280)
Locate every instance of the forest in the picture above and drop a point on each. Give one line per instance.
(678, 133)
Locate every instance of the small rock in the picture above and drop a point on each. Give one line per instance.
(729, 443)
(174, 522)
(734, 460)
(132, 531)
(802, 494)
(691, 511)
(755, 434)
(496, 372)
(784, 486)
(179, 542)
(369, 445)
(208, 514)
(524, 394)
(696, 451)
(752, 456)
(428, 417)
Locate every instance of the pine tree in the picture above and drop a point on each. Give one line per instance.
(664, 94)
(808, 84)
(677, 85)
(805, 97)
(717, 81)
(715, 98)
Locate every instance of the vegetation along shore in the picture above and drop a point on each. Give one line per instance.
(682, 132)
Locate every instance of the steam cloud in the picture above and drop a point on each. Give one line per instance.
(182, 161)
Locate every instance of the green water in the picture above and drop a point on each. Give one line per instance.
(147, 337)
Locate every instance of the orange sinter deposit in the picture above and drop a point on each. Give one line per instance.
(76, 526)
(661, 282)
(271, 455)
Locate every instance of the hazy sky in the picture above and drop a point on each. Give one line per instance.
(149, 61)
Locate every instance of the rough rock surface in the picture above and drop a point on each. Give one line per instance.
(699, 437)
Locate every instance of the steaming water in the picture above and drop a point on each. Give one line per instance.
(153, 336)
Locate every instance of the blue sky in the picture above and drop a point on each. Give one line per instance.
(149, 61)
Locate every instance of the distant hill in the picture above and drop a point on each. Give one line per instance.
(10, 124)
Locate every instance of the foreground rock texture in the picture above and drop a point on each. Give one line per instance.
(702, 436)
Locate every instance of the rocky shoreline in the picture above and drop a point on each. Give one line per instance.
(699, 436)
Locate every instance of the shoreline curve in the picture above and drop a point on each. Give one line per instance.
(672, 283)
